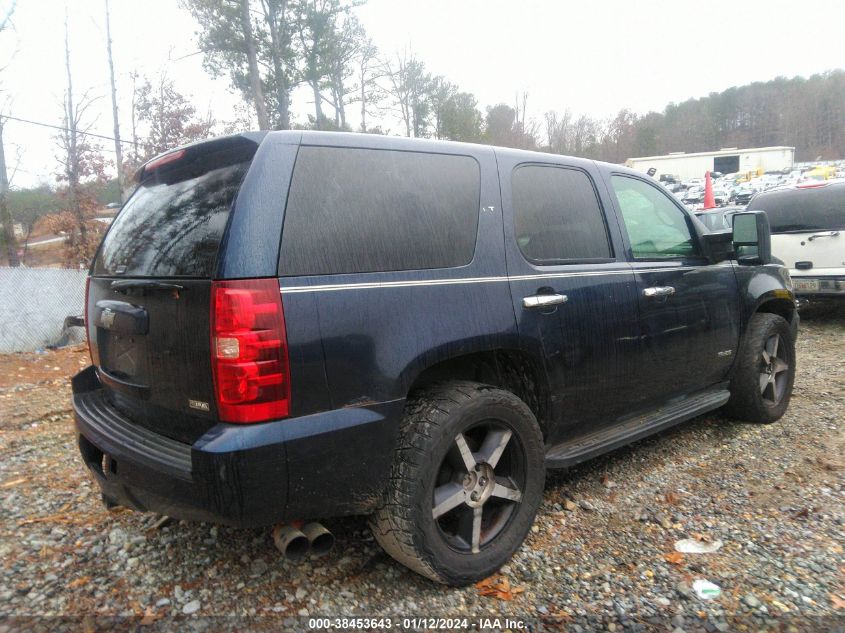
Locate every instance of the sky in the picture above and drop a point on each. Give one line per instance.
(591, 57)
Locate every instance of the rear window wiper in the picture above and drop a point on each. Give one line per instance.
(127, 286)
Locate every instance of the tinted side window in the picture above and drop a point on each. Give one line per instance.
(362, 210)
(656, 227)
(811, 209)
(557, 216)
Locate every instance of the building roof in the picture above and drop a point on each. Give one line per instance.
(728, 151)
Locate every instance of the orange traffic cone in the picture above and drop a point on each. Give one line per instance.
(709, 200)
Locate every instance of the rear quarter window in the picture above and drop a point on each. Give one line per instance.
(361, 210)
(809, 209)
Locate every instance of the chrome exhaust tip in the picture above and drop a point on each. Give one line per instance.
(291, 542)
(320, 539)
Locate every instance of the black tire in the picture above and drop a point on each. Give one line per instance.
(430, 455)
(752, 400)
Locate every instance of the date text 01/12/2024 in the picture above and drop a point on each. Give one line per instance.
(416, 623)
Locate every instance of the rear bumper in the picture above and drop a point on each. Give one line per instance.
(329, 464)
(818, 285)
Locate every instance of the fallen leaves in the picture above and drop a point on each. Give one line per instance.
(674, 558)
(837, 603)
(79, 582)
(150, 617)
(59, 517)
(497, 587)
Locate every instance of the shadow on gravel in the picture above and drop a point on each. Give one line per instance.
(831, 312)
(655, 449)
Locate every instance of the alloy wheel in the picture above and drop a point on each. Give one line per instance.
(479, 485)
(774, 372)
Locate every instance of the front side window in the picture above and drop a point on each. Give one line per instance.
(557, 217)
(657, 229)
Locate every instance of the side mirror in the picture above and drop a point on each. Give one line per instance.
(752, 238)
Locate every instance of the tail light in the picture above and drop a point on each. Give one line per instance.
(249, 351)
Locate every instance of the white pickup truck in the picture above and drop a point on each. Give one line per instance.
(808, 234)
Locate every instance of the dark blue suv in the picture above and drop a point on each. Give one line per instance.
(297, 325)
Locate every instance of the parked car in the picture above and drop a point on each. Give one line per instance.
(289, 326)
(693, 196)
(742, 195)
(721, 196)
(808, 234)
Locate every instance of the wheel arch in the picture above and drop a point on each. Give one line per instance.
(513, 370)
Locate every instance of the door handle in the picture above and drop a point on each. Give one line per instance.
(658, 291)
(543, 301)
(816, 236)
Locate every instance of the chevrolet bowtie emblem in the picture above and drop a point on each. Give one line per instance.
(107, 318)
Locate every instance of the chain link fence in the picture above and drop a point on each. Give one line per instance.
(33, 305)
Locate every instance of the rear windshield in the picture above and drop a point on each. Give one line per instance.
(810, 209)
(173, 223)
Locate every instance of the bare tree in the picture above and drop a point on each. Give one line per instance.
(118, 150)
(368, 70)
(408, 86)
(5, 214)
(69, 139)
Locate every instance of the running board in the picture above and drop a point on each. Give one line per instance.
(585, 447)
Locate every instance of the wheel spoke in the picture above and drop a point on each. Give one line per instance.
(770, 387)
(466, 525)
(466, 454)
(779, 386)
(476, 529)
(505, 489)
(772, 345)
(447, 497)
(494, 445)
(766, 358)
(779, 366)
(764, 381)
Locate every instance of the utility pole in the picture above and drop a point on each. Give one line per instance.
(118, 154)
(5, 214)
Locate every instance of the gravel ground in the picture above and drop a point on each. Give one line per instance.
(600, 555)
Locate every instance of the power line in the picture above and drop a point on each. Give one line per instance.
(59, 127)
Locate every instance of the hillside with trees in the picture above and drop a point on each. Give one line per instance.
(309, 64)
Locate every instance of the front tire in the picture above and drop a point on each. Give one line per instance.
(762, 385)
(466, 483)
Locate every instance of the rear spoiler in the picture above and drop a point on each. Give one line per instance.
(177, 157)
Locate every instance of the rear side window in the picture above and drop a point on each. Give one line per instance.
(173, 223)
(557, 217)
(361, 210)
(810, 209)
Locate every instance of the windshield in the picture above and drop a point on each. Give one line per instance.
(807, 209)
(173, 223)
